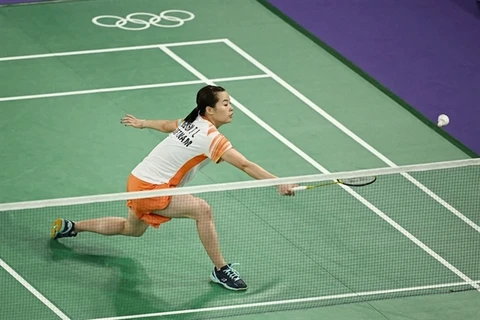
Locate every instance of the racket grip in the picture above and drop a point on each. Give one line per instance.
(299, 188)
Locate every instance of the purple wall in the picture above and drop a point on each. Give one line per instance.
(427, 52)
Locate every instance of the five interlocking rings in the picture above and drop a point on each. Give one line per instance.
(141, 24)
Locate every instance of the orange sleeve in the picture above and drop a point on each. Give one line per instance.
(218, 147)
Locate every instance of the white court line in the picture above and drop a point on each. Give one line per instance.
(132, 48)
(32, 290)
(291, 301)
(348, 132)
(127, 88)
(307, 158)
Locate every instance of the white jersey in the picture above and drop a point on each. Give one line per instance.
(186, 150)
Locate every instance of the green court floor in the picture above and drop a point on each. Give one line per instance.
(298, 110)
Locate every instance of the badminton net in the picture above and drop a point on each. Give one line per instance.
(415, 231)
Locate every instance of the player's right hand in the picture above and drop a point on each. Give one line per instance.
(130, 121)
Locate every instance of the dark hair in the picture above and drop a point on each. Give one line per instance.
(206, 97)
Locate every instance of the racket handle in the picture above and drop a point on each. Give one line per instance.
(299, 188)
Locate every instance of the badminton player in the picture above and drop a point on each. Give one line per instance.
(192, 143)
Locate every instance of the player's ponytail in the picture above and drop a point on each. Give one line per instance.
(206, 97)
(192, 115)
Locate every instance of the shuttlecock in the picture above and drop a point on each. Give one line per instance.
(443, 120)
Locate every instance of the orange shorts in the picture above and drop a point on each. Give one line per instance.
(144, 208)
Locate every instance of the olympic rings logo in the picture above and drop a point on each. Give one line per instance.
(132, 21)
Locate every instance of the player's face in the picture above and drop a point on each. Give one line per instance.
(223, 111)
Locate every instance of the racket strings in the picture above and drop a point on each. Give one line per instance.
(358, 181)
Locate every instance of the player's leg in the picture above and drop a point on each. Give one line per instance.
(188, 206)
(109, 226)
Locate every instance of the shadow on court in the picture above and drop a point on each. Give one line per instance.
(132, 292)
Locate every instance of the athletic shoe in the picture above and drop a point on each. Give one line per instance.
(62, 228)
(228, 277)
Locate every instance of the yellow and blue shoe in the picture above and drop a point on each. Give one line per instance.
(63, 228)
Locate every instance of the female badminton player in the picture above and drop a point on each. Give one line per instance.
(192, 143)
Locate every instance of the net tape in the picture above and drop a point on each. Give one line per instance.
(237, 185)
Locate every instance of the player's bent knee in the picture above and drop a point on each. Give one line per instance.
(203, 210)
(132, 231)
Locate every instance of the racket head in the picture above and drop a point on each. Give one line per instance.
(358, 182)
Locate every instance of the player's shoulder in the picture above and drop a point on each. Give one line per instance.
(207, 128)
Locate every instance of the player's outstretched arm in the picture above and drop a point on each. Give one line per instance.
(166, 126)
(236, 159)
